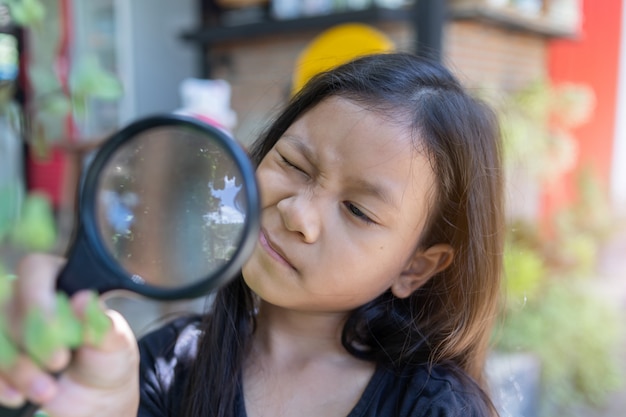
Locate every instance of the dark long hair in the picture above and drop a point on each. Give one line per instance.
(449, 319)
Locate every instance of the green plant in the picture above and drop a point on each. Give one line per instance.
(27, 12)
(34, 229)
(58, 93)
(524, 272)
(536, 122)
(45, 333)
(10, 198)
(27, 225)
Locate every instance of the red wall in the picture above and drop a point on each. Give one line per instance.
(590, 59)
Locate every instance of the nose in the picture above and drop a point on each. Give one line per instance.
(300, 215)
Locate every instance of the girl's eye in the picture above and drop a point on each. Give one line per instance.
(356, 212)
(291, 165)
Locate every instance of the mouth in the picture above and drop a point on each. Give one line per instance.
(273, 250)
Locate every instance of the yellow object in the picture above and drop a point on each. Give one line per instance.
(336, 46)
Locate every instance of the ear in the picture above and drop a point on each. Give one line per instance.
(422, 266)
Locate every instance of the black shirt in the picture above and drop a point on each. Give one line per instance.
(168, 353)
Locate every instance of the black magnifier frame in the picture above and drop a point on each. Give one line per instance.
(88, 255)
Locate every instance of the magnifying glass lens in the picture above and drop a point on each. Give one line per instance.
(170, 207)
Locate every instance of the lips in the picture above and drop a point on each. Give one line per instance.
(273, 250)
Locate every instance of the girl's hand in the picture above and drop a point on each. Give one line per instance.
(99, 378)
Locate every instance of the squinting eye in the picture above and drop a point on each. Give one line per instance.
(356, 212)
(290, 165)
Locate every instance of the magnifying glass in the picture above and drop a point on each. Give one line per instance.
(169, 209)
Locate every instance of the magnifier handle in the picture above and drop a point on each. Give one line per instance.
(79, 272)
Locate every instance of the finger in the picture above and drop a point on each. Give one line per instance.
(29, 381)
(58, 361)
(118, 332)
(96, 322)
(100, 372)
(9, 396)
(33, 289)
(89, 308)
(111, 360)
(8, 349)
(34, 296)
(36, 283)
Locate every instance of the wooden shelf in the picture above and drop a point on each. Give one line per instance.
(218, 34)
(513, 19)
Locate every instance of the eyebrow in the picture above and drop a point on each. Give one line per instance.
(376, 190)
(372, 188)
(301, 146)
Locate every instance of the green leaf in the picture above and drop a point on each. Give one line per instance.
(8, 352)
(11, 196)
(90, 79)
(43, 81)
(79, 104)
(57, 104)
(97, 323)
(36, 228)
(525, 270)
(27, 12)
(108, 88)
(67, 325)
(6, 288)
(41, 337)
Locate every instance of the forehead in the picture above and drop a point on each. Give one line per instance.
(344, 124)
(338, 128)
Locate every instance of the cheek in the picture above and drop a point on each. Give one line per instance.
(273, 184)
(268, 178)
(247, 269)
(268, 184)
(375, 265)
(251, 271)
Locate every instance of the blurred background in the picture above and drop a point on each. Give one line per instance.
(74, 71)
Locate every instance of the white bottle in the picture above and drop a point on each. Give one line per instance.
(285, 9)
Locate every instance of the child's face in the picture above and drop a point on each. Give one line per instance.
(344, 199)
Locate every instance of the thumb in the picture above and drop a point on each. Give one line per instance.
(110, 356)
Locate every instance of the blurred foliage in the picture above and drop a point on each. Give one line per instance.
(35, 228)
(46, 332)
(525, 270)
(536, 122)
(576, 334)
(28, 13)
(10, 205)
(55, 99)
(8, 352)
(551, 308)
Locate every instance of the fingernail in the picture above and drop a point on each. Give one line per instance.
(58, 360)
(11, 397)
(41, 389)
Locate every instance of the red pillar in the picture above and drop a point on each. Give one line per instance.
(48, 174)
(591, 59)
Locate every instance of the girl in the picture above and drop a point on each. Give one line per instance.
(372, 288)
